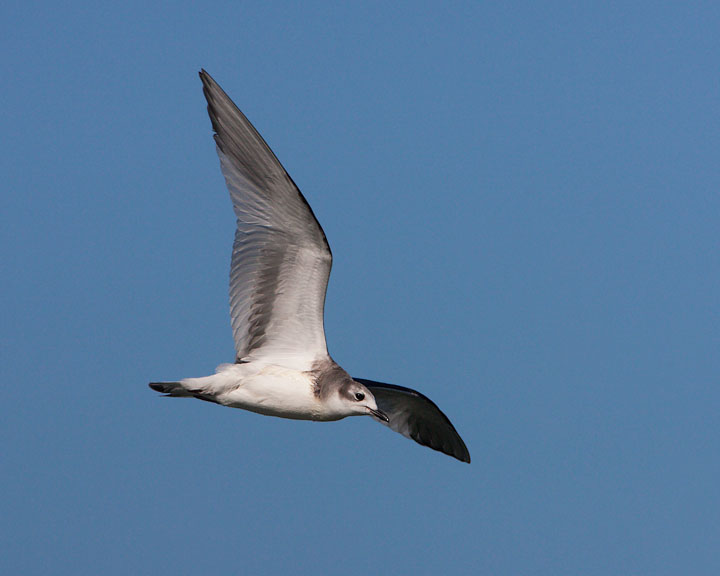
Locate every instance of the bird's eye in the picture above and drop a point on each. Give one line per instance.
(359, 396)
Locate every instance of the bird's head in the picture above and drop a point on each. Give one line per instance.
(361, 400)
(354, 399)
(341, 396)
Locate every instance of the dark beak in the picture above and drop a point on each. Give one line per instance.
(379, 414)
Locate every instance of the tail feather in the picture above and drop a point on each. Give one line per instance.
(177, 390)
(171, 389)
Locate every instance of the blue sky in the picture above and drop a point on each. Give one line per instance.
(523, 205)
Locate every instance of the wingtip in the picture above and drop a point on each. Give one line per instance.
(460, 452)
(205, 78)
(464, 455)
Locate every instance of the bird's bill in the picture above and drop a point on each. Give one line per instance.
(379, 414)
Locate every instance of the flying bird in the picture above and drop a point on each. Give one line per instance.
(279, 273)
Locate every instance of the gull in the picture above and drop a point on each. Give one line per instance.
(279, 273)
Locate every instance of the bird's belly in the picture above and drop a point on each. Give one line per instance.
(276, 391)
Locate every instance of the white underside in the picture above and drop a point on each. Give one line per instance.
(266, 389)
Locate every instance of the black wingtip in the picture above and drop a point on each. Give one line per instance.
(157, 386)
(419, 418)
(462, 453)
(456, 449)
(459, 452)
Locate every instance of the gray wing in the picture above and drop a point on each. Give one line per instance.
(416, 416)
(281, 259)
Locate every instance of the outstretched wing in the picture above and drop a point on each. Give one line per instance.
(416, 416)
(281, 259)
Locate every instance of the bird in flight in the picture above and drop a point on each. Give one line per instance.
(279, 273)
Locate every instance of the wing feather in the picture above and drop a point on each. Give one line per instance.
(417, 417)
(281, 259)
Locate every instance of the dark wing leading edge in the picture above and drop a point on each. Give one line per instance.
(281, 259)
(416, 416)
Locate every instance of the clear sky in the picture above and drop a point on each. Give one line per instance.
(523, 201)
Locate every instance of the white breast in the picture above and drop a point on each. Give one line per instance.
(276, 391)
